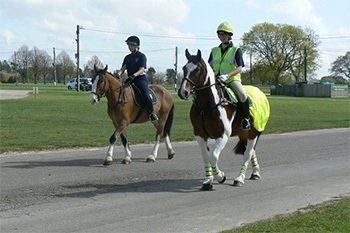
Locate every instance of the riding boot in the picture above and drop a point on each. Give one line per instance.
(152, 116)
(245, 124)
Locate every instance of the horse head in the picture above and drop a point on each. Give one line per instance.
(197, 73)
(98, 84)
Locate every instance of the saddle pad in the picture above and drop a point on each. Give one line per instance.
(138, 97)
(260, 109)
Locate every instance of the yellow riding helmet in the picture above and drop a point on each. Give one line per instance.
(225, 27)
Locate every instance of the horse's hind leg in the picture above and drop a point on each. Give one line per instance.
(256, 168)
(248, 154)
(127, 152)
(109, 157)
(169, 147)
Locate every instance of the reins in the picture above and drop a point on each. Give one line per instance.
(121, 98)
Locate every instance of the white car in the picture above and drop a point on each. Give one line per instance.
(84, 82)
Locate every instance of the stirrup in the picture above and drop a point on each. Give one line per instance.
(245, 124)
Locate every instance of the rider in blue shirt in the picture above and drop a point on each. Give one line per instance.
(135, 64)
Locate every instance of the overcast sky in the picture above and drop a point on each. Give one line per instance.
(162, 25)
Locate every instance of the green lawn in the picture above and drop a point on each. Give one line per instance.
(58, 118)
(330, 217)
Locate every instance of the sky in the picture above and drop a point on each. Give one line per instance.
(161, 26)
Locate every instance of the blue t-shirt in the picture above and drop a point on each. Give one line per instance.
(134, 61)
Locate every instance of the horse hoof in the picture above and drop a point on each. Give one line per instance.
(150, 159)
(107, 163)
(170, 156)
(254, 177)
(126, 161)
(207, 187)
(223, 180)
(237, 183)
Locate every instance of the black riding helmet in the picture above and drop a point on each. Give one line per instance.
(133, 40)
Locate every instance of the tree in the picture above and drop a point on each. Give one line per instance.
(65, 66)
(40, 63)
(280, 48)
(5, 66)
(21, 59)
(170, 75)
(150, 74)
(89, 67)
(341, 66)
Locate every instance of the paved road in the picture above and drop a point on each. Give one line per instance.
(13, 94)
(70, 191)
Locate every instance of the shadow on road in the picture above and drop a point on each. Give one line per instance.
(148, 186)
(67, 163)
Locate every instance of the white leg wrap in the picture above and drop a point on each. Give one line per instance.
(240, 178)
(155, 148)
(208, 180)
(168, 145)
(109, 156)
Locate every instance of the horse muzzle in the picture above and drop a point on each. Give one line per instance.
(183, 94)
(95, 98)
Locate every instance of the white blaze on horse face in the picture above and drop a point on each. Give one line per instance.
(185, 93)
(93, 97)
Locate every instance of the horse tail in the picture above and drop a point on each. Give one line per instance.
(169, 122)
(241, 145)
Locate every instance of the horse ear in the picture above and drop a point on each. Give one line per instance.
(95, 68)
(106, 68)
(188, 55)
(199, 54)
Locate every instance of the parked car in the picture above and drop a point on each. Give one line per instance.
(72, 84)
(85, 84)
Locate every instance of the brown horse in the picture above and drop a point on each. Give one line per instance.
(123, 111)
(212, 119)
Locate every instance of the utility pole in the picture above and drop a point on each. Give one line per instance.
(175, 68)
(305, 65)
(15, 66)
(54, 67)
(251, 68)
(77, 57)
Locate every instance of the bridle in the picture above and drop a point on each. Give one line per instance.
(195, 84)
(121, 97)
(102, 93)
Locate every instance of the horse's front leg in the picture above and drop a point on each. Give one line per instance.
(208, 180)
(220, 144)
(127, 152)
(247, 156)
(109, 156)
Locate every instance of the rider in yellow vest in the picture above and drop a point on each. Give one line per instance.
(227, 63)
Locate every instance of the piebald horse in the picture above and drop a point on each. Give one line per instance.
(123, 111)
(211, 119)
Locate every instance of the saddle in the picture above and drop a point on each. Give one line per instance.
(227, 93)
(138, 97)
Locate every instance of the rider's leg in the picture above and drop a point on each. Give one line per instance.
(143, 86)
(238, 89)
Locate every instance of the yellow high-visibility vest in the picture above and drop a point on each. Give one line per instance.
(225, 63)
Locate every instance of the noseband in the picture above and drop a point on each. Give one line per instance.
(103, 92)
(196, 86)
